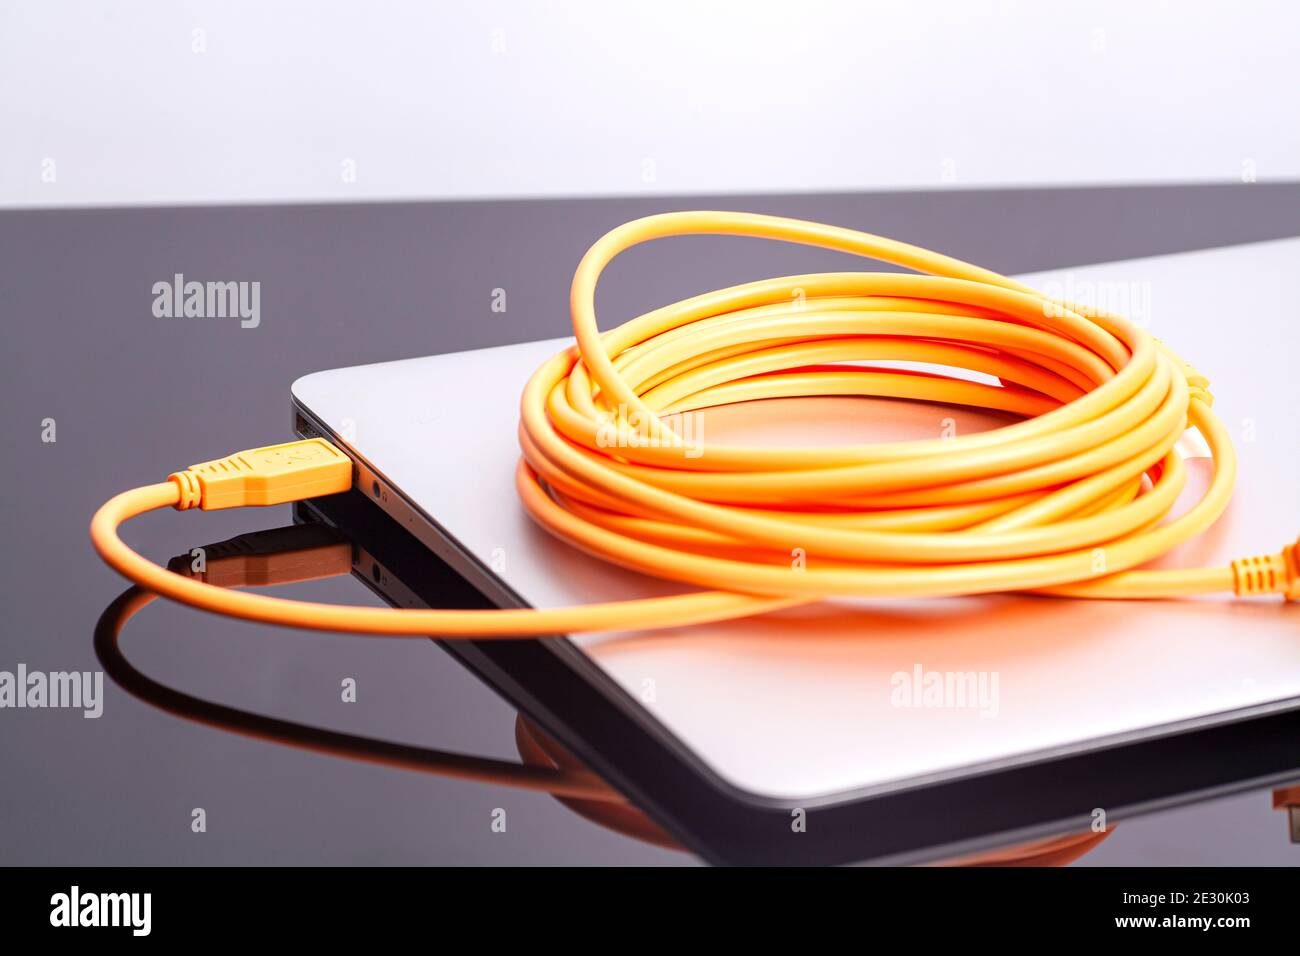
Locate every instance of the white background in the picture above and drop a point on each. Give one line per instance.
(124, 103)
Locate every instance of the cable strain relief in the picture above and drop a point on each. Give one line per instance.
(190, 491)
(1269, 574)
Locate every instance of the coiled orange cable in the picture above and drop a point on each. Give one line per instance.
(1070, 500)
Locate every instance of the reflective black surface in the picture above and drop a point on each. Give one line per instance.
(134, 397)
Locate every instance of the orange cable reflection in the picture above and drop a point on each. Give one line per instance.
(546, 766)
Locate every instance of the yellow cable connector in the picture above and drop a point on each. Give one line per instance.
(273, 475)
(1269, 574)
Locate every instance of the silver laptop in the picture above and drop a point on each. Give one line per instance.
(826, 708)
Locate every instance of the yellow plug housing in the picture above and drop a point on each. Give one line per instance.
(1269, 574)
(272, 475)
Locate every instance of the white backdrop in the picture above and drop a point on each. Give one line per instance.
(113, 102)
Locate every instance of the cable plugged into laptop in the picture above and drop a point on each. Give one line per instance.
(1075, 498)
(274, 475)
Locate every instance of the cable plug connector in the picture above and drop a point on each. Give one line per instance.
(1269, 574)
(272, 475)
